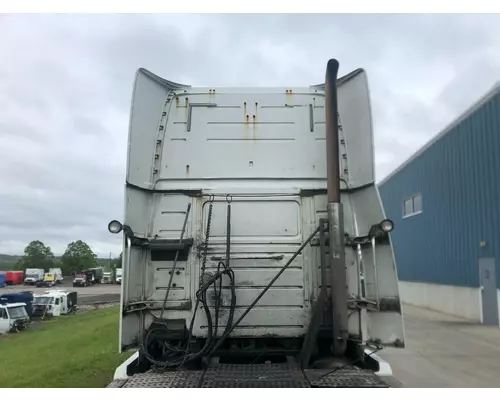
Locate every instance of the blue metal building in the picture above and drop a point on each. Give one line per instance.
(445, 204)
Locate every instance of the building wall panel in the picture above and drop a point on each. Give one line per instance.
(459, 178)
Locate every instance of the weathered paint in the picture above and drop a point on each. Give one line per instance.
(265, 168)
(456, 173)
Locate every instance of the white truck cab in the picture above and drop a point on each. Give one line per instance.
(54, 303)
(58, 274)
(107, 277)
(13, 317)
(118, 278)
(254, 238)
(33, 275)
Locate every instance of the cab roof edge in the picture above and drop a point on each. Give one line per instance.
(175, 85)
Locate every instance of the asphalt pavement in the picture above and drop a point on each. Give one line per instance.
(445, 352)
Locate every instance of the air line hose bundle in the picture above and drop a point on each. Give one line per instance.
(176, 356)
(161, 352)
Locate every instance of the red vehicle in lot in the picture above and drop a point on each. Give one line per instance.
(14, 277)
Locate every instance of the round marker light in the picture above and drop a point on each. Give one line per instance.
(387, 225)
(115, 226)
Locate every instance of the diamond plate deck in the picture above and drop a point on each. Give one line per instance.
(344, 378)
(255, 376)
(167, 379)
(117, 383)
(255, 384)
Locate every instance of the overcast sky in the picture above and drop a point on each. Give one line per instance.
(66, 82)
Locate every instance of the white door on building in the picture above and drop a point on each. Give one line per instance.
(489, 297)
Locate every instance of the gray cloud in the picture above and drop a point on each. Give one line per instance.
(66, 83)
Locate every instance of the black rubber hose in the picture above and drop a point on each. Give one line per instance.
(176, 356)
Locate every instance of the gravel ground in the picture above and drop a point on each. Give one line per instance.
(100, 298)
(89, 307)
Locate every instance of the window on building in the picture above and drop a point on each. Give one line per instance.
(408, 207)
(417, 204)
(412, 205)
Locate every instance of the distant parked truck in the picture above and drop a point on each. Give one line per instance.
(118, 276)
(14, 277)
(58, 274)
(13, 317)
(107, 277)
(49, 280)
(25, 297)
(82, 279)
(34, 275)
(91, 276)
(54, 303)
(98, 274)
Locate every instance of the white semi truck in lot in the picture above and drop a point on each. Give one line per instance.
(118, 278)
(54, 303)
(33, 275)
(58, 274)
(256, 250)
(13, 317)
(107, 277)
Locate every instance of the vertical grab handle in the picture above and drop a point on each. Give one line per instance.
(375, 273)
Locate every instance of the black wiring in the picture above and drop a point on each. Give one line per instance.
(163, 354)
(217, 300)
(178, 356)
(259, 356)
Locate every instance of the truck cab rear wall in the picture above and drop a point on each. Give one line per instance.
(267, 150)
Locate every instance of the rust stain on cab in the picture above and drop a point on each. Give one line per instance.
(256, 118)
(245, 120)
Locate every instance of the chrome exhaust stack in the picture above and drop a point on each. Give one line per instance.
(338, 277)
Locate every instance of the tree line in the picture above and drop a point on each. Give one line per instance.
(77, 257)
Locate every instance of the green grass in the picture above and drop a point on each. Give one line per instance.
(69, 351)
